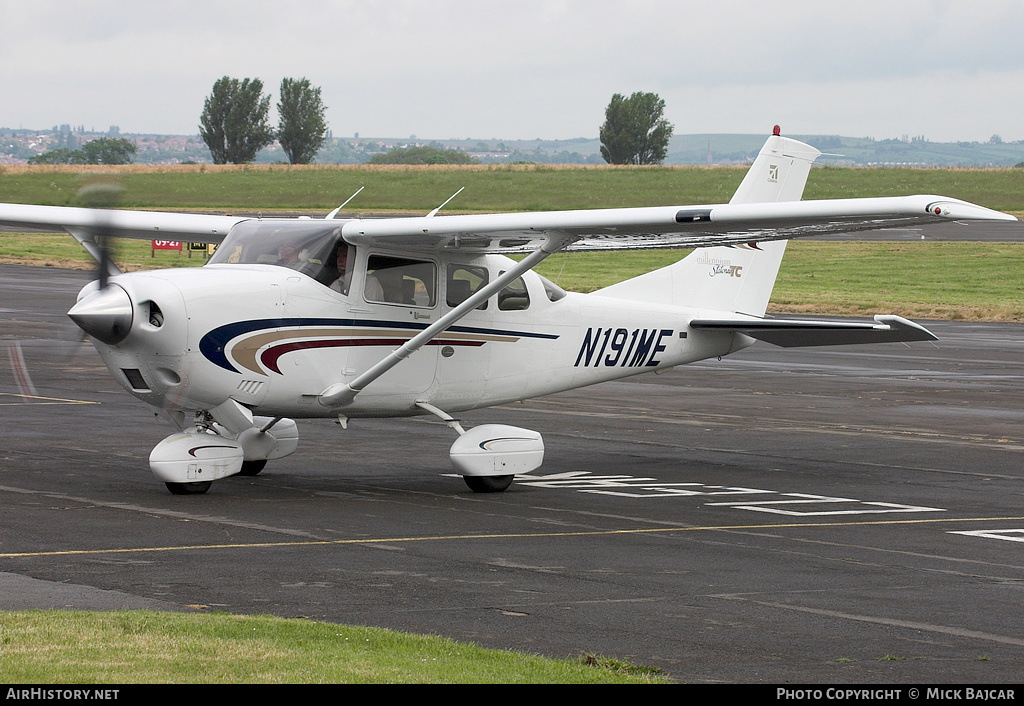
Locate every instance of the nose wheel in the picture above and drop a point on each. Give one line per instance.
(196, 488)
(252, 468)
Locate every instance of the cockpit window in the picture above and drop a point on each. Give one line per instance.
(306, 246)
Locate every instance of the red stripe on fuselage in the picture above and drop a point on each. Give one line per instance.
(270, 356)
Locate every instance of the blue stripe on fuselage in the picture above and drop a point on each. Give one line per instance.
(214, 343)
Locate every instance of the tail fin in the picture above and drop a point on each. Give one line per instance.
(736, 279)
(778, 174)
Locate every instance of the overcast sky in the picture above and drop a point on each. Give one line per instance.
(525, 69)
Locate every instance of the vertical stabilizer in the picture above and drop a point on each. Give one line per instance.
(737, 279)
(778, 174)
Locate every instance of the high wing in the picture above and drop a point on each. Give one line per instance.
(660, 227)
(595, 229)
(157, 225)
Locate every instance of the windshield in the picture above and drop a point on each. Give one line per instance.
(306, 246)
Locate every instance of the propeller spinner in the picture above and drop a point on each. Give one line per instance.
(106, 315)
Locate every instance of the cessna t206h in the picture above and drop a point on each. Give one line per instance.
(336, 318)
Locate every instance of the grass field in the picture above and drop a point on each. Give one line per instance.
(930, 280)
(137, 647)
(935, 280)
(319, 189)
(951, 281)
(966, 281)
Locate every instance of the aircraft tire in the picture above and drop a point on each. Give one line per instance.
(488, 484)
(252, 468)
(197, 488)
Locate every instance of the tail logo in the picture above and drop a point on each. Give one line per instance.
(730, 270)
(773, 173)
(720, 266)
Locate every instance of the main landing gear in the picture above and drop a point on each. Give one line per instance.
(488, 484)
(196, 488)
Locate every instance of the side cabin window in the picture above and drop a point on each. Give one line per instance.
(463, 282)
(397, 280)
(514, 297)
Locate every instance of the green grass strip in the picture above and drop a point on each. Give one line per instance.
(947, 280)
(316, 190)
(930, 280)
(137, 647)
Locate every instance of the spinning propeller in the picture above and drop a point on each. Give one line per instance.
(106, 314)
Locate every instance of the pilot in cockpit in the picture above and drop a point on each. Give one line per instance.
(344, 277)
(287, 255)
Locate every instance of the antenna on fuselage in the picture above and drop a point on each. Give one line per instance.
(334, 213)
(434, 212)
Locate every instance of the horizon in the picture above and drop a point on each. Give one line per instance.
(533, 67)
(905, 137)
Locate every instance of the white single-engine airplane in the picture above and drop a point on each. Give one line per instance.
(303, 318)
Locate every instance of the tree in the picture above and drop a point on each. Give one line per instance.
(634, 131)
(234, 120)
(105, 150)
(301, 128)
(422, 155)
(61, 155)
(109, 150)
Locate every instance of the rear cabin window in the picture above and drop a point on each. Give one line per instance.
(397, 280)
(514, 296)
(552, 290)
(463, 282)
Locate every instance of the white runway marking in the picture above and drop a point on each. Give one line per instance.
(792, 504)
(1010, 535)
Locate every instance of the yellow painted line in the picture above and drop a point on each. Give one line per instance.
(37, 399)
(523, 535)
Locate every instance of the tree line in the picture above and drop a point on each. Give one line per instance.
(235, 127)
(105, 150)
(235, 124)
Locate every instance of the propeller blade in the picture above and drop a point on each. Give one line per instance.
(102, 196)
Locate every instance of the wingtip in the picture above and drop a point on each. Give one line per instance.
(911, 330)
(954, 209)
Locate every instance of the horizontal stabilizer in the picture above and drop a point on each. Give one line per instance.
(790, 333)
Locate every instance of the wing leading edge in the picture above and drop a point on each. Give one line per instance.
(200, 228)
(660, 227)
(595, 229)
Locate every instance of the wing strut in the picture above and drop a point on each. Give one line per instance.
(341, 394)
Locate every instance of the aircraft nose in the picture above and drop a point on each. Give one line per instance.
(105, 315)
